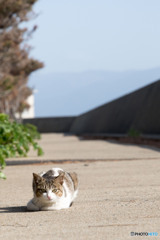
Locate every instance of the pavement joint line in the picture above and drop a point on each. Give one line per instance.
(64, 161)
(112, 225)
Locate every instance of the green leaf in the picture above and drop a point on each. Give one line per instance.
(2, 175)
(40, 151)
(2, 162)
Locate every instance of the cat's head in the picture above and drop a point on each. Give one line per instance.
(48, 189)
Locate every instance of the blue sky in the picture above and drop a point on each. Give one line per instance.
(116, 35)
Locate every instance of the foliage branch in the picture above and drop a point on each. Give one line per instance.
(16, 140)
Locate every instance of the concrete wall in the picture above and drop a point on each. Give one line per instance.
(52, 124)
(139, 110)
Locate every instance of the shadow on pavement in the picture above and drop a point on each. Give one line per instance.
(17, 209)
(152, 144)
(153, 148)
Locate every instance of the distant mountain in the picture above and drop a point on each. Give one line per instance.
(63, 94)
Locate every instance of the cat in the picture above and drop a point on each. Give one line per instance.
(53, 190)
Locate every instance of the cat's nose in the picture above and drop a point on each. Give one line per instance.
(49, 197)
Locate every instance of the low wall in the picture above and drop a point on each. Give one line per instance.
(139, 110)
(51, 124)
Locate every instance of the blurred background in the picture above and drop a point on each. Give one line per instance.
(93, 51)
(68, 58)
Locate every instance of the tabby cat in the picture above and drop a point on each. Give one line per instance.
(53, 190)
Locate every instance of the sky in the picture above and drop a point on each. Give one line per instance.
(116, 35)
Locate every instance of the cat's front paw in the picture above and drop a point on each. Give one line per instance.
(52, 208)
(32, 207)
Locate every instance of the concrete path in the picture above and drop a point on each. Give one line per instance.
(61, 147)
(117, 196)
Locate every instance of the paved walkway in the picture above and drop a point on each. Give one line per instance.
(117, 196)
(70, 148)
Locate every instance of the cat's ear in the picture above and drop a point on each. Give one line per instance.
(60, 178)
(37, 178)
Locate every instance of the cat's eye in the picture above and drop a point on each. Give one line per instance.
(55, 190)
(42, 190)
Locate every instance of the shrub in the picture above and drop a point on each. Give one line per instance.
(16, 140)
(133, 133)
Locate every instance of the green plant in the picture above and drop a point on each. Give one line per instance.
(16, 140)
(133, 133)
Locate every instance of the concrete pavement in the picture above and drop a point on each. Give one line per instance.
(70, 148)
(117, 196)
